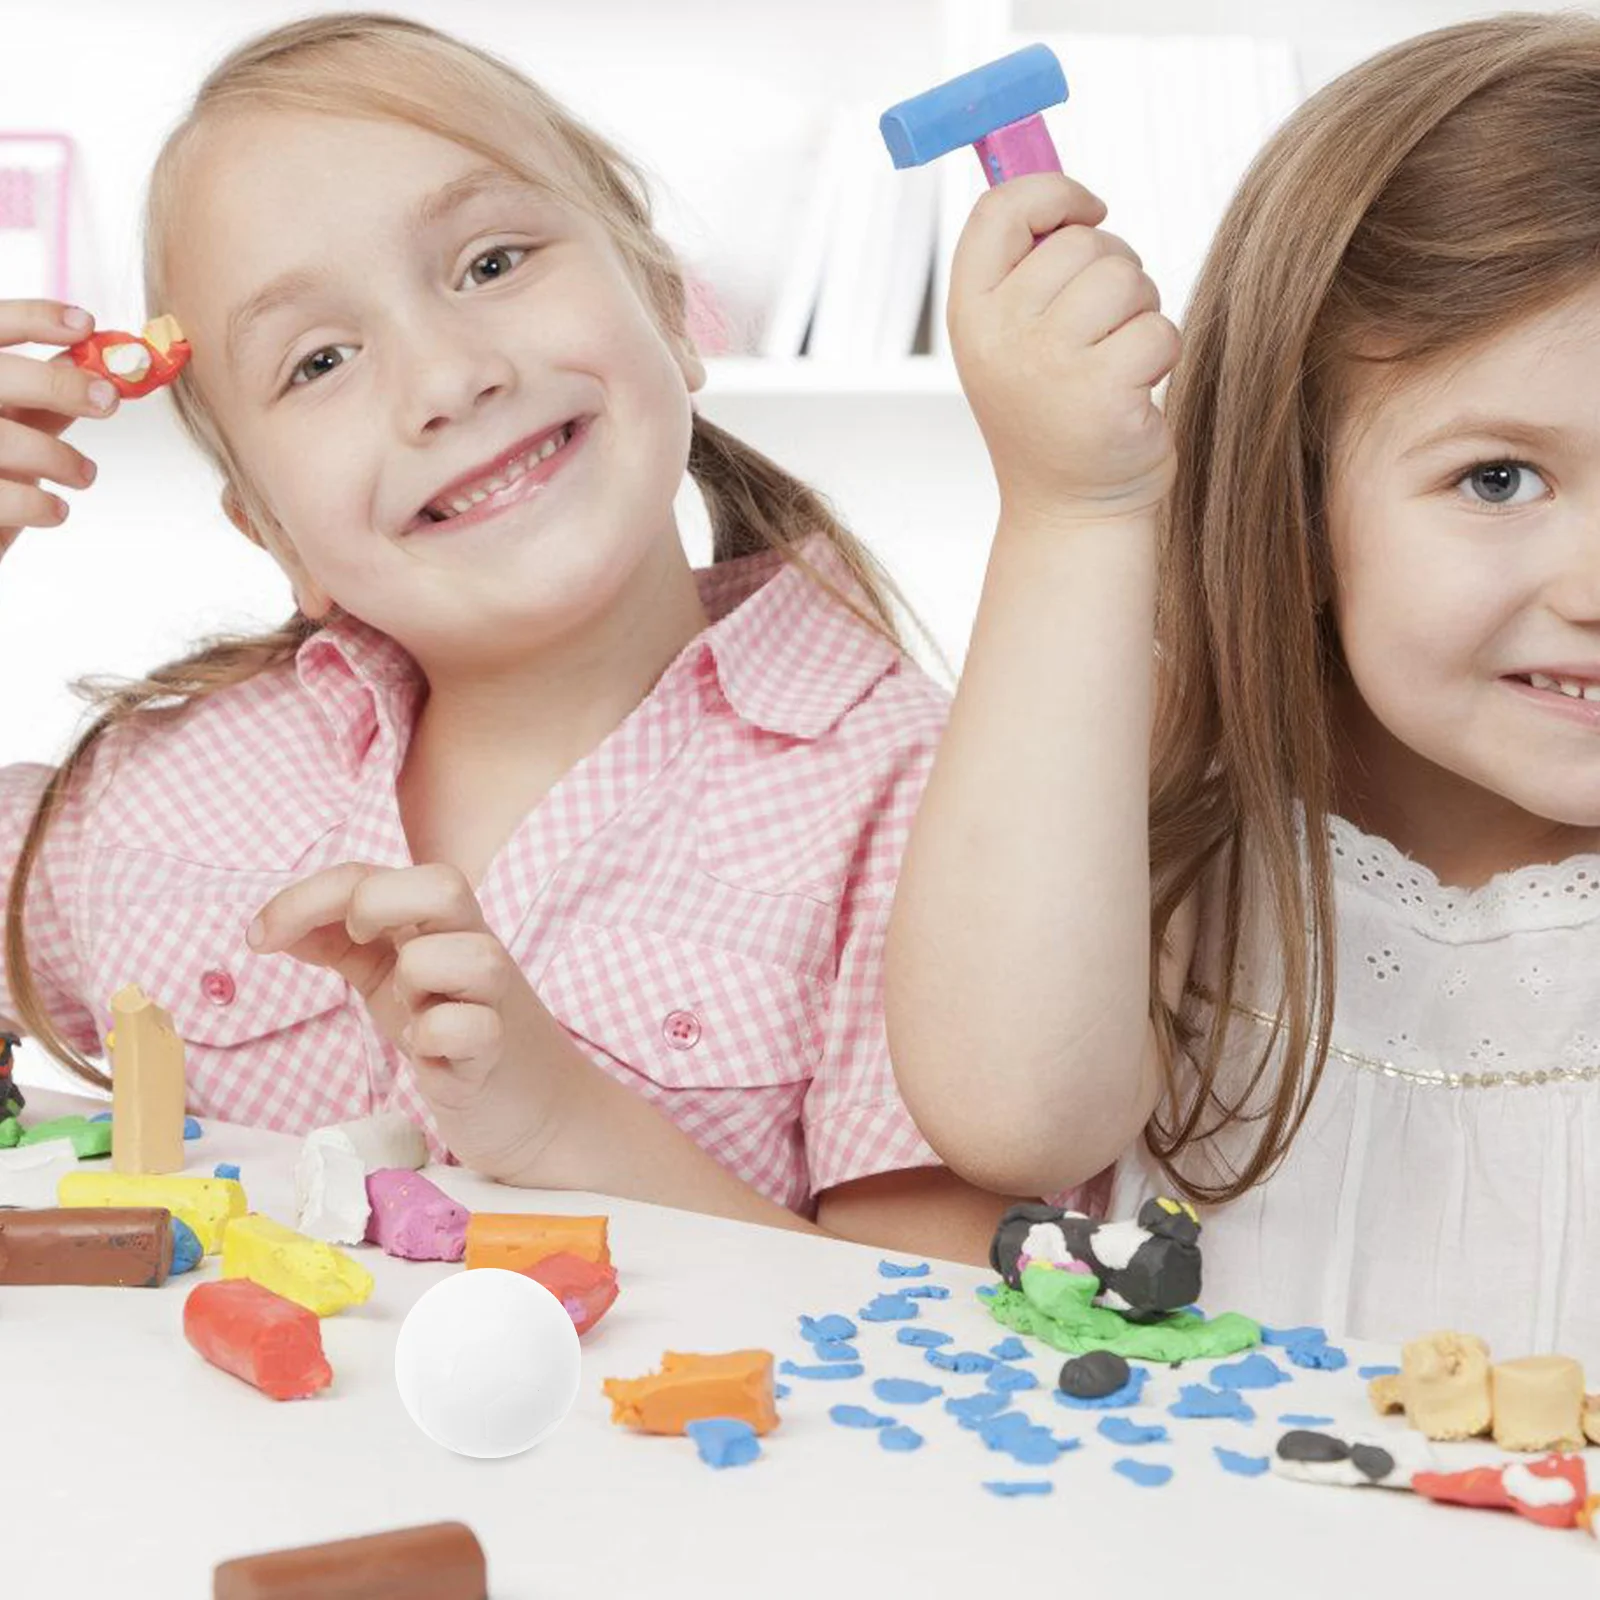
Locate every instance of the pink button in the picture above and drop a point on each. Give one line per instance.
(681, 1030)
(217, 986)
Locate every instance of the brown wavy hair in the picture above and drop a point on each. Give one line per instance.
(371, 65)
(1415, 207)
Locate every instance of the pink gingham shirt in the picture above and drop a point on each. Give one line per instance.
(701, 901)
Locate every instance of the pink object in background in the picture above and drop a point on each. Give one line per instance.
(708, 328)
(35, 214)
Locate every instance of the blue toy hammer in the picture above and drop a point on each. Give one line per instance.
(994, 108)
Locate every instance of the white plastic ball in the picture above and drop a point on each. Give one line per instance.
(487, 1362)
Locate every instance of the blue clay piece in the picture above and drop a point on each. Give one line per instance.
(1124, 1430)
(835, 1350)
(1377, 1372)
(902, 1439)
(1304, 1419)
(1012, 1349)
(905, 1391)
(835, 1372)
(926, 1291)
(1010, 1380)
(724, 1441)
(1147, 1474)
(923, 1338)
(1323, 1357)
(859, 1417)
(1196, 1400)
(192, 1128)
(1256, 1371)
(834, 1326)
(1014, 1491)
(782, 1391)
(1128, 1395)
(186, 1251)
(986, 1291)
(893, 1269)
(101, 1116)
(1244, 1466)
(1293, 1336)
(226, 1169)
(969, 1410)
(889, 1308)
(961, 1361)
(1023, 1441)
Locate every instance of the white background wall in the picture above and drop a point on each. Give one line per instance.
(719, 101)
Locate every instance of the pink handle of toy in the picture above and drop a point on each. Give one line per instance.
(1017, 148)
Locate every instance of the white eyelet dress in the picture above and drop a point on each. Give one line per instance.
(1448, 1172)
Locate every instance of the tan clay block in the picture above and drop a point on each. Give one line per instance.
(1591, 1417)
(1538, 1401)
(1386, 1394)
(1445, 1381)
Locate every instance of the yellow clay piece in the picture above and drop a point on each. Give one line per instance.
(690, 1388)
(163, 332)
(208, 1205)
(1444, 1379)
(307, 1271)
(1538, 1403)
(147, 1086)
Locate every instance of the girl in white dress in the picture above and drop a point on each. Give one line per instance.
(1305, 922)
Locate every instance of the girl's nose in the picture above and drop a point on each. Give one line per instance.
(449, 377)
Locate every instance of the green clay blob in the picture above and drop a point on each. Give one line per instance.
(1057, 1307)
(89, 1139)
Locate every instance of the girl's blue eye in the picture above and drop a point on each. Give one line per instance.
(496, 263)
(318, 363)
(1503, 483)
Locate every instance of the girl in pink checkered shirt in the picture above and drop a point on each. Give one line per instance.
(579, 856)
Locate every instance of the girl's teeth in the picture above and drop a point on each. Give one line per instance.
(1570, 687)
(508, 474)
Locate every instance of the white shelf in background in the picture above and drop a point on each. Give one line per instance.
(799, 375)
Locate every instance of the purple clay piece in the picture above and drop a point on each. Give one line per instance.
(923, 1338)
(1377, 1372)
(859, 1417)
(890, 1308)
(1015, 1491)
(1196, 1400)
(413, 1218)
(724, 1441)
(1242, 1465)
(905, 1391)
(1124, 1430)
(894, 1269)
(831, 1327)
(835, 1372)
(1147, 1474)
(1302, 1419)
(1255, 1371)
(1012, 1349)
(900, 1438)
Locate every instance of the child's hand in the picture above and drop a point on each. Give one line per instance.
(38, 400)
(412, 941)
(1058, 346)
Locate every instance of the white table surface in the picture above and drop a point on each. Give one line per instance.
(131, 1467)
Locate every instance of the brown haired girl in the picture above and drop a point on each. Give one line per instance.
(1308, 894)
(579, 856)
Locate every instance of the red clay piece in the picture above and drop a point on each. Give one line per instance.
(271, 1343)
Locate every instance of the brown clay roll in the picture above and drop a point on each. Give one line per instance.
(439, 1561)
(96, 1247)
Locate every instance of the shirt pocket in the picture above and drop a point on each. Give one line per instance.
(191, 958)
(684, 1013)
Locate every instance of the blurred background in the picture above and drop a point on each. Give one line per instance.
(818, 270)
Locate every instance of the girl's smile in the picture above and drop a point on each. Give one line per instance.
(512, 478)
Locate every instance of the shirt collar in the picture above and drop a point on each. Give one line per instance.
(789, 657)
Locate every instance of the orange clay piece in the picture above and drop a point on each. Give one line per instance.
(1589, 1517)
(136, 363)
(691, 1388)
(516, 1242)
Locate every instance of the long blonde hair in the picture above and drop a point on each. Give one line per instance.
(1418, 205)
(383, 67)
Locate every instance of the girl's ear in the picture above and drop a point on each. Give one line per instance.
(313, 602)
